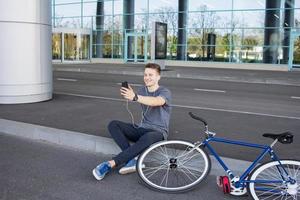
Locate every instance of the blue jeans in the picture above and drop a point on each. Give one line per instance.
(123, 133)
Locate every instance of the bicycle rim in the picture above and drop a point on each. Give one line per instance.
(173, 166)
(271, 182)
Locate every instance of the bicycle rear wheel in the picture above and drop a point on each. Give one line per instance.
(173, 166)
(271, 182)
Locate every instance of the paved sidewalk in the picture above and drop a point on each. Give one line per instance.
(235, 75)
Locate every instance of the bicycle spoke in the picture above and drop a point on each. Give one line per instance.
(165, 177)
(159, 168)
(270, 191)
(190, 158)
(173, 166)
(275, 172)
(185, 174)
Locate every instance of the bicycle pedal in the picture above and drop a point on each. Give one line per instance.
(224, 184)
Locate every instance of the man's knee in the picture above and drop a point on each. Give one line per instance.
(113, 125)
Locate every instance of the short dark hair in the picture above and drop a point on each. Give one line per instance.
(153, 66)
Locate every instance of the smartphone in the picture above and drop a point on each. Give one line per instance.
(125, 84)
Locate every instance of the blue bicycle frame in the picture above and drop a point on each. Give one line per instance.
(265, 149)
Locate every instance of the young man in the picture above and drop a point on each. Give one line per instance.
(155, 101)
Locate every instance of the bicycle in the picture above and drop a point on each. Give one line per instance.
(178, 166)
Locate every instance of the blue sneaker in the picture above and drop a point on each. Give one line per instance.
(101, 170)
(130, 167)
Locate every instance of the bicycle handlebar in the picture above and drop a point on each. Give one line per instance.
(198, 118)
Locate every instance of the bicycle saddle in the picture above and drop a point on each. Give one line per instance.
(284, 138)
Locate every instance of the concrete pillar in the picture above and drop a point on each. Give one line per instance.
(272, 37)
(182, 24)
(99, 28)
(25, 51)
(128, 23)
(288, 23)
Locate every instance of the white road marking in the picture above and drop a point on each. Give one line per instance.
(89, 96)
(184, 106)
(66, 79)
(236, 111)
(207, 90)
(293, 97)
(132, 84)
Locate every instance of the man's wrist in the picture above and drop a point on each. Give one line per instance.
(135, 98)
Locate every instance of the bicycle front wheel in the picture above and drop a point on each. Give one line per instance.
(270, 181)
(173, 166)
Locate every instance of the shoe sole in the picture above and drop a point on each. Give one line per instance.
(96, 176)
(127, 170)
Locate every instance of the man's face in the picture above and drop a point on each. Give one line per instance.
(151, 77)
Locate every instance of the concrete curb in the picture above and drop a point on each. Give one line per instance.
(92, 143)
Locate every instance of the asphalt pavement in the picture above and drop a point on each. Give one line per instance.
(32, 170)
(86, 102)
(39, 170)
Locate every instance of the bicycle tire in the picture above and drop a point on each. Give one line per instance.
(173, 166)
(268, 173)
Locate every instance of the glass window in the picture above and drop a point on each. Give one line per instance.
(84, 48)
(297, 19)
(87, 22)
(170, 18)
(118, 37)
(118, 7)
(141, 6)
(108, 9)
(210, 20)
(66, 1)
(118, 51)
(107, 37)
(70, 22)
(56, 46)
(118, 23)
(69, 10)
(89, 8)
(249, 18)
(296, 53)
(297, 4)
(140, 21)
(70, 46)
(158, 6)
(196, 5)
(242, 4)
(207, 19)
(108, 22)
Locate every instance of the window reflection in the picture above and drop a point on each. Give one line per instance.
(56, 46)
(238, 27)
(70, 46)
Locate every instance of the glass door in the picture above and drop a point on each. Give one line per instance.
(71, 45)
(56, 46)
(84, 47)
(294, 57)
(135, 47)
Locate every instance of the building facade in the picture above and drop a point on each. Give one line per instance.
(199, 31)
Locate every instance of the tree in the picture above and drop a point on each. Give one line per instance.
(169, 16)
(202, 25)
(248, 44)
(297, 51)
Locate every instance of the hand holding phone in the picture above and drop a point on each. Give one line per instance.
(125, 84)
